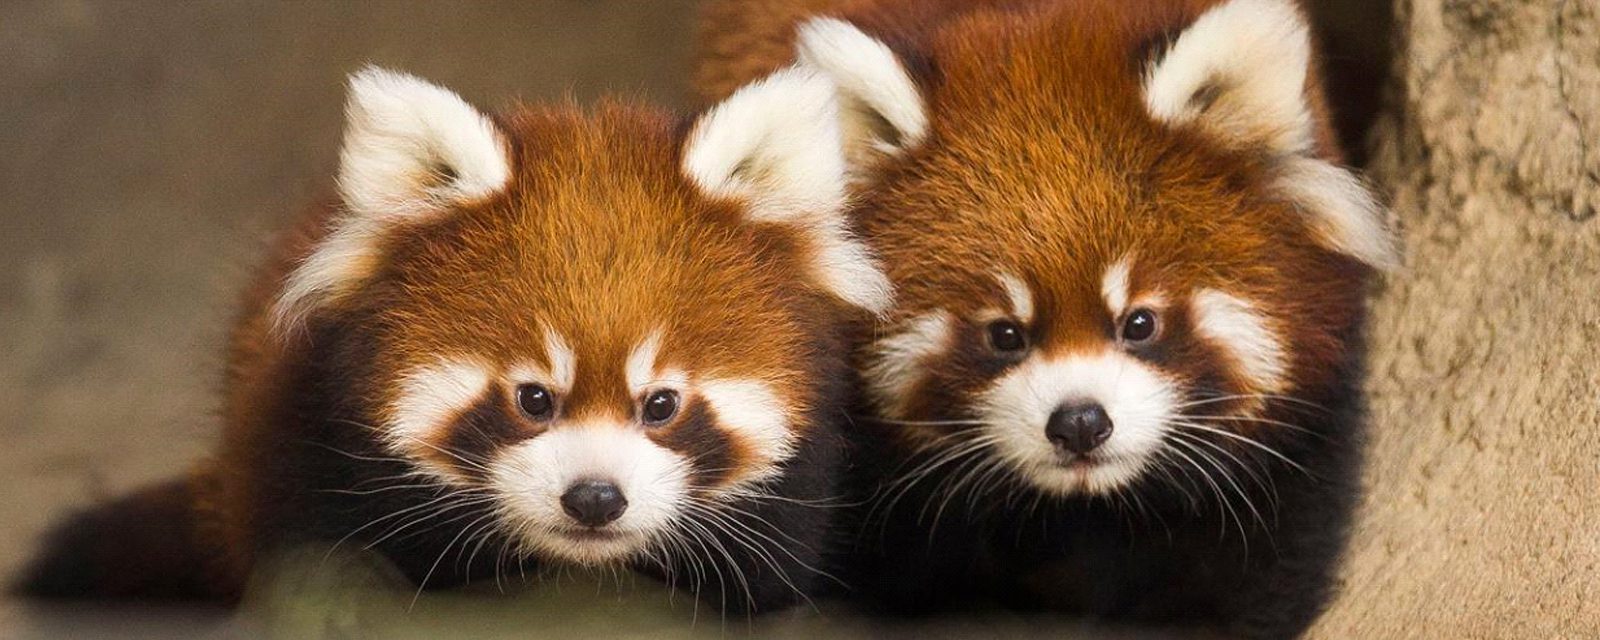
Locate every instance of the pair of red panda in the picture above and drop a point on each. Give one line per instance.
(1094, 263)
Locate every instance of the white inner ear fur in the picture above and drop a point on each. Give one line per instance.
(1235, 325)
(411, 145)
(410, 148)
(774, 146)
(1239, 74)
(1343, 211)
(882, 109)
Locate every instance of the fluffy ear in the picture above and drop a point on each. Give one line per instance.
(774, 146)
(410, 149)
(1239, 74)
(773, 143)
(410, 146)
(881, 108)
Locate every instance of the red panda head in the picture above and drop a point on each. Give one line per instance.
(1116, 230)
(599, 323)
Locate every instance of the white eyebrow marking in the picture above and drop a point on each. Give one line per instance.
(559, 374)
(1114, 288)
(641, 367)
(1237, 326)
(1021, 297)
(563, 362)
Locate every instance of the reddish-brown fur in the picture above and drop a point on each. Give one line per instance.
(469, 283)
(1042, 160)
(1041, 149)
(598, 236)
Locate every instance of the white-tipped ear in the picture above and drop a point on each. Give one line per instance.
(882, 108)
(1239, 75)
(1239, 72)
(410, 145)
(410, 149)
(774, 146)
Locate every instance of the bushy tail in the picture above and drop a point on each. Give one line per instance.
(142, 546)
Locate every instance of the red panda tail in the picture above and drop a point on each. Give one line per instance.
(142, 546)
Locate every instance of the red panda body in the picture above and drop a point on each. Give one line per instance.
(1122, 374)
(548, 339)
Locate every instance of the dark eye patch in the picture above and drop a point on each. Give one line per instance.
(475, 434)
(952, 379)
(695, 436)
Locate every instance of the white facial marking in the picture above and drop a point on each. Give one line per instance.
(529, 478)
(1139, 401)
(563, 362)
(429, 398)
(1114, 287)
(752, 412)
(641, 367)
(896, 365)
(410, 149)
(558, 375)
(1235, 325)
(1020, 296)
(871, 80)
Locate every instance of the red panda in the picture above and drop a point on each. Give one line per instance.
(548, 338)
(1122, 375)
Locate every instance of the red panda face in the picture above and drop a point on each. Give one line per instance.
(1085, 375)
(598, 325)
(599, 390)
(1106, 261)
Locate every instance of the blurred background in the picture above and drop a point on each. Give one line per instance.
(150, 148)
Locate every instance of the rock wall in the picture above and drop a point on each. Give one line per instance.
(1482, 517)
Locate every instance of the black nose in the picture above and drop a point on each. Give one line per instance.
(594, 502)
(1078, 428)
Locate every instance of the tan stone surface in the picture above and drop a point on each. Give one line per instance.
(1482, 518)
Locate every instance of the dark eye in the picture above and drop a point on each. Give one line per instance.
(536, 401)
(1140, 326)
(1005, 335)
(660, 406)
